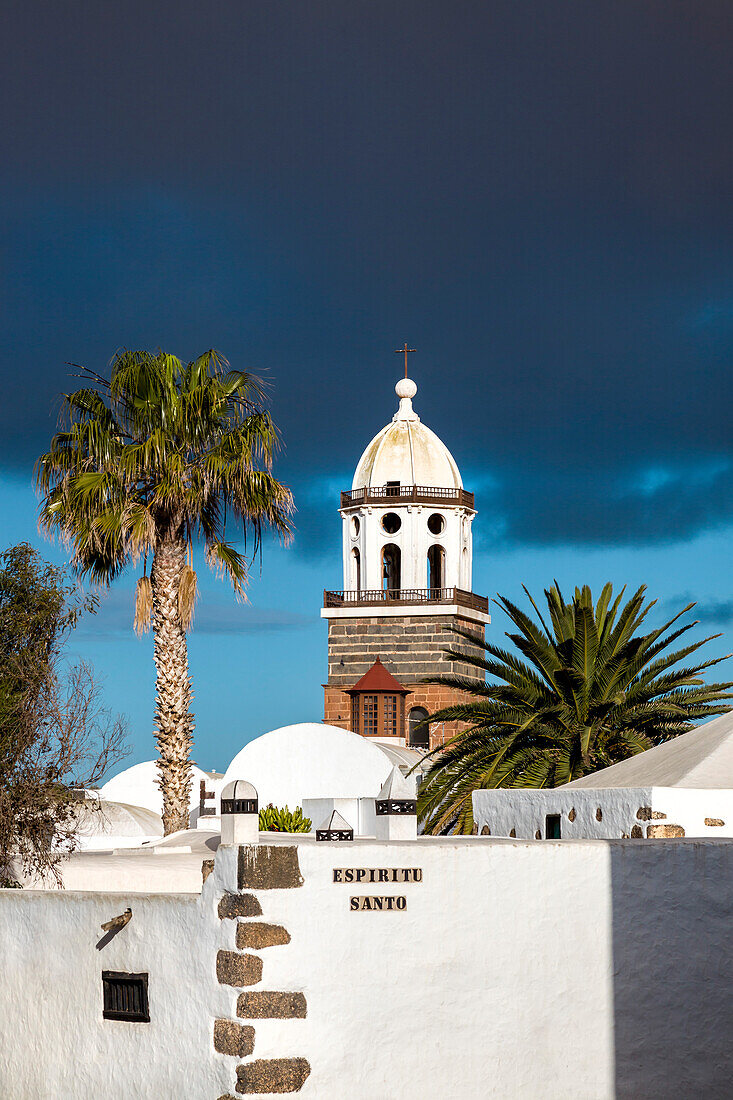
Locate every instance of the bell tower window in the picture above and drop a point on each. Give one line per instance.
(436, 567)
(391, 568)
(356, 570)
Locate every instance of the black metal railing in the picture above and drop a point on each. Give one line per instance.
(417, 494)
(398, 596)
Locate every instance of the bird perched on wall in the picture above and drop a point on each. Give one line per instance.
(117, 923)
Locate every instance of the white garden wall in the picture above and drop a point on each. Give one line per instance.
(603, 812)
(593, 969)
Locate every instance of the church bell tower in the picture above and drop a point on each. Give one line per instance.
(407, 564)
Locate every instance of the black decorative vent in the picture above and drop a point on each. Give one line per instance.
(334, 834)
(396, 806)
(125, 996)
(239, 805)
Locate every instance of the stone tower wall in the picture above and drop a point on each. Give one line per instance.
(411, 648)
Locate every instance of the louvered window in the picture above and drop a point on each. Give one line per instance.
(125, 996)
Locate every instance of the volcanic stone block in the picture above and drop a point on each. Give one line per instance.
(656, 831)
(239, 905)
(714, 821)
(234, 969)
(258, 935)
(206, 868)
(233, 1038)
(269, 867)
(264, 1005)
(272, 1075)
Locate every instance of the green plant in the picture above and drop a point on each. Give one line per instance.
(591, 690)
(157, 456)
(274, 819)
(55, 734)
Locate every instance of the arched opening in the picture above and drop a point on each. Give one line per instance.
(436, 567)
(391, 568)
(419, 738)
(356, 569)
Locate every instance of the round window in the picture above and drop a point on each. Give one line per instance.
(436, 523)
(355, 525)
(391, 523)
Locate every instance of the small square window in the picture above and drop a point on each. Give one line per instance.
(125, 996)
(552, 827)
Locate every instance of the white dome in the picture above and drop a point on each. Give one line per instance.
(406, 451)
(103, 824)
(138, 786)
(310, 760)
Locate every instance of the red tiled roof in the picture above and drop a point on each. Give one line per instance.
(378, 679)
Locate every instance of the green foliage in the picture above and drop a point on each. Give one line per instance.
(274, 819)
(162, 450)
(54, 734)
(586, 690)
(158, 456)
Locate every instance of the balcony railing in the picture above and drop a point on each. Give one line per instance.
(400, 494)
(395, 597)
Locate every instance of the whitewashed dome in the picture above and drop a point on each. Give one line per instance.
(139, 786)
(310, 760)
(407, 451)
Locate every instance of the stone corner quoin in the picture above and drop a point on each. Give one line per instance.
(268, 867)
(272, 1075)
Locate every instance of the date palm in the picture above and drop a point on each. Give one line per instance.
(585, 690)
(157, 456)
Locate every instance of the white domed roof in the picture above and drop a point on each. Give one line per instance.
(138, 786)
(310, 760)
(406, 451)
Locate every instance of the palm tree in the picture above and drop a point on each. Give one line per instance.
(585, 691)
(155, 457)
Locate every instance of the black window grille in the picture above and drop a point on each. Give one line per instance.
(125, 996)
(552, 827)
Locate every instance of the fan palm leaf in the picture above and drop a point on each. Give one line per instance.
(590, 687)
(153, 459)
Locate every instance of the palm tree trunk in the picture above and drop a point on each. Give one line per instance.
(173, 717)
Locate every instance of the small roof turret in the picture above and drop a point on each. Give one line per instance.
(378, 679)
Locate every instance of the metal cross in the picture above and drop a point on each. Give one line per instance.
(404, 351)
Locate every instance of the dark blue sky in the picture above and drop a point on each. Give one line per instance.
(535, 195)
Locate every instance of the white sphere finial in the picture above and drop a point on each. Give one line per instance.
(405, 388)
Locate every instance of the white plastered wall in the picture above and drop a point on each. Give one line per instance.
(525, 811)
(516, 970)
